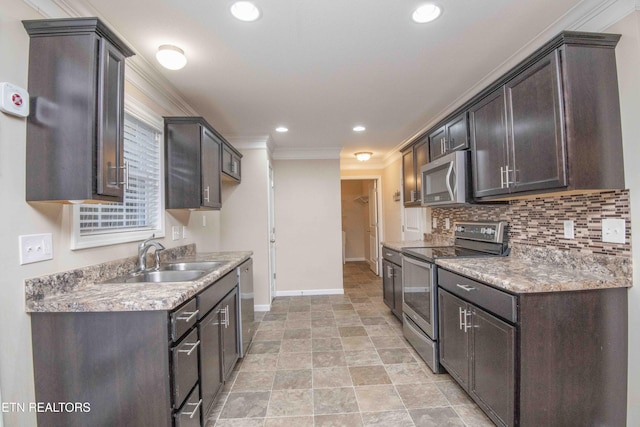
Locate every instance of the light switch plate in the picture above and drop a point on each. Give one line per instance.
(35, 248)
(175, 232)
(613, 230)
(568, 229)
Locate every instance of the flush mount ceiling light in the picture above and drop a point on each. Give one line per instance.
(363, 156)
(171, 57)
(426, 13)
(282, 129)
(245, 11)
(359, 128)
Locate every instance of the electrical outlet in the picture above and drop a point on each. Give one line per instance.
(175, 232)
(35, 248)
(184, 231)
(447, 223)
(568, 229)
(613, 230)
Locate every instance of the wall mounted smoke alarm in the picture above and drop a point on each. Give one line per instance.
(14, 100)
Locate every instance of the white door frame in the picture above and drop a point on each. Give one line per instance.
(272, 233)
(378, 180)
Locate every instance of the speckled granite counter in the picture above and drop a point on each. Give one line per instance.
(531, 270)
(80, 290)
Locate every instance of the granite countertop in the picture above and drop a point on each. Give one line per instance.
(81, 290)
(539, 270)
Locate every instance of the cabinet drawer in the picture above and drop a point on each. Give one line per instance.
(183, 319)
(392, 255)
(184, 373)
(491, 299)
(211, 296)
(189, 414)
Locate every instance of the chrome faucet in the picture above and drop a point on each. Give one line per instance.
(143, 248)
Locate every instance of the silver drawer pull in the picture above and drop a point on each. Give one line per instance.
(190, 315)
(193, 345)
(195, 410)
(465, 287)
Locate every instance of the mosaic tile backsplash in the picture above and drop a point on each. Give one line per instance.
(540, 221)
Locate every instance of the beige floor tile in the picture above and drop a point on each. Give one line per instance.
(356, 343)
(295, 346)
(295, 361)
(369, 375)
(292, 379)
(334, 401)
(289, 422)
(331, 377)
(338, 420)
(285, 403)
(362, 358)
(387, 419)
(328, 359)
(254, 381)
(415, 396)
(377, 398)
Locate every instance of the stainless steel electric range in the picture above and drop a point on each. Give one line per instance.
(419, 281)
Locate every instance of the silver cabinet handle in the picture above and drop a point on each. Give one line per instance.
(501, 176)
(225, 320)
(388, 254)
(195, 410)
(193, 345)
(234, 167)
(462, 317)
(465, 287)
(125, 172)
(206, 192)
(190, 315)
(467, 322)
(389, 272)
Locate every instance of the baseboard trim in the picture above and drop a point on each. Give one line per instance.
(354, 259)
(310, 292)
(262, 307)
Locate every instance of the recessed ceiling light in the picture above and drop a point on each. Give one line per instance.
(245, 11)
(282, 129)
(171, 57)
(426, 13)
(359, 128)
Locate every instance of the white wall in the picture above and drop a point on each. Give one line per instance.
(628, 61)
(392, 215)
(308, 229)
(244, 219)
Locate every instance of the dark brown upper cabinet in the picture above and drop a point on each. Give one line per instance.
(413, 158)
(449, 137)
(231, 163)
(193, 152)
(75, 129)
(549, 125)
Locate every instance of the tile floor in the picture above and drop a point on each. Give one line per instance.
(338, 360)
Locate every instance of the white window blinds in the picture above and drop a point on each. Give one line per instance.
(141, 211)
(141, 207)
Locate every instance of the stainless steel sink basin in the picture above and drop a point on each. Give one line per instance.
(192, 265)
(160, 276)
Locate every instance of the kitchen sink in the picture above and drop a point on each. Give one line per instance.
(192, 265)
(160, 276)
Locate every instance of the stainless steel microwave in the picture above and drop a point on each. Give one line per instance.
(445, 180)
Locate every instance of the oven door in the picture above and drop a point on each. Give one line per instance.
(418, 295)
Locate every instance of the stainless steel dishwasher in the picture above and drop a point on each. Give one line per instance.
(246, 325)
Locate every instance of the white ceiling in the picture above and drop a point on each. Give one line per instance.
(320, 67)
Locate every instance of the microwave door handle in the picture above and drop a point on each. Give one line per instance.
(448, 181)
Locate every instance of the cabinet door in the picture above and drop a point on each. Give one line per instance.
(387, 284)
(210, 358)
(230, 163)
(182, 165)
(536, 118)
(110, 132)
(453, 343)
(492, 378)
(488, 132)
(437, 143)
(408, 178)
(229, 309)
(210, 148)
(421, 153)
(457, 133)
(397, 291)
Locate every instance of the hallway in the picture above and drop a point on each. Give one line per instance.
(338, 360)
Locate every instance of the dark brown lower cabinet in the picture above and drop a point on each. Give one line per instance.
(392, 287)
(536, 359)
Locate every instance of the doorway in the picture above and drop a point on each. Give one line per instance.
(361, 230)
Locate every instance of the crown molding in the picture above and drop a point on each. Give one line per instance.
(327, 153)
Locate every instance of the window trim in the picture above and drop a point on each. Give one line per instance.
(143, 113)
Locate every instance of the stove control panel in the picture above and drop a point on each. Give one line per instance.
(494, 232)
